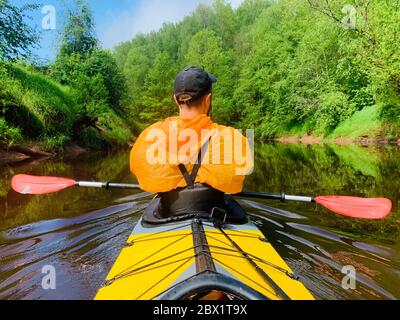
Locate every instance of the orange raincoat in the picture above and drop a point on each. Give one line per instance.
(159, 150)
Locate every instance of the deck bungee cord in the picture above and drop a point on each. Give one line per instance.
(203, 249)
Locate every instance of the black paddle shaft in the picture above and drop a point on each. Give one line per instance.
(257, 195)
(282, 197)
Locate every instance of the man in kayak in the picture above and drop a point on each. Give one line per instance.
(188, 157)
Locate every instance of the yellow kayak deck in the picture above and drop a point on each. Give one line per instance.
(158, 259)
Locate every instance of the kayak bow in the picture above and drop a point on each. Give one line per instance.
(199, 260)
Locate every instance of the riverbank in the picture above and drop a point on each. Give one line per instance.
(44, 119)
(22, 154)
(365, 127)
(40, 117)
(341, 141)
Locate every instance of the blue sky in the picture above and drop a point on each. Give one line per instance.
(116, 20)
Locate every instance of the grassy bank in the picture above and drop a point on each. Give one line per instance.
(36, 110)
(366, 126)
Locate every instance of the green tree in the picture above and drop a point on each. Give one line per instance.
(78, 35)
(136, 68)
(283, 67)
(204, 50)
(249, 11)
(201, 19)
(78, 41)
(225, 24)
(16, 36)
(80, 59)
(66, 68)
(104, 64)
(121, 52)
(374, 38)
(159, 87)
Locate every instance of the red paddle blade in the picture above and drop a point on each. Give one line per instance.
(360, 208)
(25, 184)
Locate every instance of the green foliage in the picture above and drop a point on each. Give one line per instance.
(39, 106)
(36, 107)
(363, 123)
(225, 22)
(114, 130)
(135, 70)
(16, 36)
(282, 66)
(204, 50)
(102, 63)
(78, 35)
(333, 109)
(76, 70)
(92, 72)
(249, 11)
(65, 68)
(91, 95)
(371, 48)
(56, 143)
(8, 88)
(99, 88)
(157, 97)
(88, 105)
(8, 135)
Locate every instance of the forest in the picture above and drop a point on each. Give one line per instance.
(327, 68)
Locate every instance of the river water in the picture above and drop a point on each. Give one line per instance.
(81, 231)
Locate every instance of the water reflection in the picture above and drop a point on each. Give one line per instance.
(19, 210)
(81, 231)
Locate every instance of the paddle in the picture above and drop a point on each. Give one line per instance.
(361, 208)
(25, 184)
(353, 207)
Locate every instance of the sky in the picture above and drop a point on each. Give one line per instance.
(116, 20)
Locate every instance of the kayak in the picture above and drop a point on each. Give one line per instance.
(200, 258)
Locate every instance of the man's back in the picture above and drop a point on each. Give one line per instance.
(161, 148)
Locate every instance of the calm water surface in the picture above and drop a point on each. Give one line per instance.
(81, 231)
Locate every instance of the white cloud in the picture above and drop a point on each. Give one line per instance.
(146, 16)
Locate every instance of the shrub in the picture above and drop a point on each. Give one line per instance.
(56, 143)
(9, 135)
(333, 109)
(99, 70)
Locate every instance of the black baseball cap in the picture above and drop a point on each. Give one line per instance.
(192, 83)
